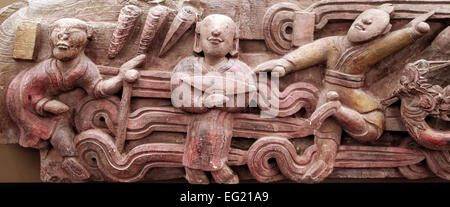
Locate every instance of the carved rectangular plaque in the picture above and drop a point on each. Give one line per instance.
(303, 30)
(26, 41)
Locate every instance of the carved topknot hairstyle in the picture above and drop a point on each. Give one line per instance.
(388, 8)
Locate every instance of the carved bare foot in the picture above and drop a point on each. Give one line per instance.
(75, 170)
(225, 175)
(194, 176)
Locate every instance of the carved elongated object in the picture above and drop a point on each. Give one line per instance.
(127, 20)
(183, 21)
(156, 17)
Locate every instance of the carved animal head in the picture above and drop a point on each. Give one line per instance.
(420, 93)
(216, 35)
(370, 24)
(69, 38)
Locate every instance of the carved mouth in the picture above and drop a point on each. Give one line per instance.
(215, 40)
(360, 27)
(63, 45)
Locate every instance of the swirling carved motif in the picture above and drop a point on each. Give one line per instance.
(420, 99)
(293, 166)
(284, 103)
(437, 163)
(145, 120)
(278, 26)
(97, 113)
(288, 163)
(97, 150)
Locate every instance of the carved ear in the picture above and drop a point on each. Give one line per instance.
(387, 29)
(235, 51)
(197, 48)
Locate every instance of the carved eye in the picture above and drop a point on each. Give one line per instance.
(367, 21)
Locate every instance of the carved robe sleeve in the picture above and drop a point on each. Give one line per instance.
(35, 90)
(310, 54)
(184, 95)
(92, 81)
(380, 49)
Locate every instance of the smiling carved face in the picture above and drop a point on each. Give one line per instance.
(68, 38)
(217, 34)
(368, 25)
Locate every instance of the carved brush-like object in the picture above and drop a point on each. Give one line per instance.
(155, 18)
(181, 23)
(127, 20)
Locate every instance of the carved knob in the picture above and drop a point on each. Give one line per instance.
(423, 27)
(332, 96)
(131, 75)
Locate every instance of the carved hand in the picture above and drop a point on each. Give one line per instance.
(55, 107)
(419, 25)
(131, 75)
(277, 67)
(131, 65)
(214, 100)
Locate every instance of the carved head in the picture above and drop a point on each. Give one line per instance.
(370, 24)
(216, 36)
(69, 38)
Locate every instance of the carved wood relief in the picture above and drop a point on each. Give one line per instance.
(228, 91)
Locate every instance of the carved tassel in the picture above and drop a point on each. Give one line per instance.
(156, 16)
(181, 23)
(127, 20)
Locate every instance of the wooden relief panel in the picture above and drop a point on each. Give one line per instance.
(228, 91)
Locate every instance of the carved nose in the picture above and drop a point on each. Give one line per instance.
(367, 21)
(215, 32)
(63, 36)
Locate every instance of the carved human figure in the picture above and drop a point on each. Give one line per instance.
(348, 58)
(32, 95)
(212, 87)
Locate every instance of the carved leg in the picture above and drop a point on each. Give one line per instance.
(225, 175)
(195, 176)
(62, 140)
(357, 126)
(327, 140)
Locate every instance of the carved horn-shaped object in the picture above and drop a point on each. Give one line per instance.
(156, 17)
(185, 18)
(127, 20)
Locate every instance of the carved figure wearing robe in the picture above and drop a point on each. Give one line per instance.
(348, 58)
(211, 86)
(32, 95)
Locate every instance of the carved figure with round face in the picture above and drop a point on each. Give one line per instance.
(216, 36)
(69, 38)
(369, 24)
